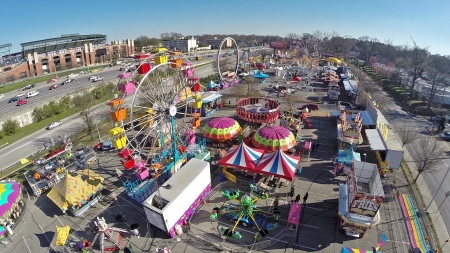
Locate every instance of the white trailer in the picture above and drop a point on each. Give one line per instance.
(174, 202)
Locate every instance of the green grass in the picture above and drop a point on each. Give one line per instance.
(34, 127)
(20, 84)
(16, 172)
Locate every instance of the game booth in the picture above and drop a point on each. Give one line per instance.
(360, 199)
(258, 110)
(11, 206)
(349, 128)
(343, 161)
(211, 102)
(76, 193)
(212, 86)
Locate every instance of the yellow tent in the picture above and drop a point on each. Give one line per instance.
(74, 189)
(61, 235)
(333, 59)
(160, 50)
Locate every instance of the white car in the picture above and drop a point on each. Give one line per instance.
(20, 95)
(96, 78)
(32, 94)
(54, 124)
(72, 75)
(2, 95)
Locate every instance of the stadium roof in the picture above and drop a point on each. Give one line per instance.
(63, 42)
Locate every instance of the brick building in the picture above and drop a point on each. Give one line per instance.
(63, 53)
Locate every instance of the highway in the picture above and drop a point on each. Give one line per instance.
(45, 94)
(12, 153)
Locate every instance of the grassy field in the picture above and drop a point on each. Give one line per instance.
(19, 84)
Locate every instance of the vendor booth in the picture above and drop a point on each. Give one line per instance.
(349, 128)
(258, 110)
(360, 198)
(76, 193)
(344, 160)
(212, 86)
(211, 102)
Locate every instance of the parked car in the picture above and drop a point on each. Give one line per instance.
(54, 79)
(311, 107)
(53, 87)
(68, 81)
(104, 146)
(446, 136)
(2, 95)
(53, 125)
(22, 102)
(72, 75)
(13, 99)
(32, 94)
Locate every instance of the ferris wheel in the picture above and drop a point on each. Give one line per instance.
(307, 53)
(244, 60)
(156, 99)
(227, 61)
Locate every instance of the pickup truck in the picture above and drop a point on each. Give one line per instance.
(32, 94)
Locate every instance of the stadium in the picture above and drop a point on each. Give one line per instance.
(55, 54)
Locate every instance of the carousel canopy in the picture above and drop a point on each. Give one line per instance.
(74, 189)
(9, 195)
(278, 164)
(347, 156)
(271, 138)
(260, 75)
(221, 129)
(242, 156)
(211, 84)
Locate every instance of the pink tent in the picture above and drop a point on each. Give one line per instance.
(242, 156)
(278, 164)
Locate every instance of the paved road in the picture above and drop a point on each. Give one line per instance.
(81, 81)
(438, 177)
(10, 154)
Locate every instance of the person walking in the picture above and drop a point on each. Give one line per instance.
(317, 146)
(297, 198)
(313, 147)
(305, 198)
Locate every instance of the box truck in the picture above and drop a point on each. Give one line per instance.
(173, 203)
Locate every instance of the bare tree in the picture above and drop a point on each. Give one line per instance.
(292, 99)
(427, 155)
(437, 67)
(89, 115)
(293, 36)
(417, 56)
(225, 65)
(408, 135)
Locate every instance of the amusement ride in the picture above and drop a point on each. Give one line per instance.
(156, 119)
(227, 78)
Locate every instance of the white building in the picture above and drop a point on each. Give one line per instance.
(183, 44)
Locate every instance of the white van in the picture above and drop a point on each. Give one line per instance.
(32, 94)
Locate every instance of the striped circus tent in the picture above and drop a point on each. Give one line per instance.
(242, 156)
(278, 164)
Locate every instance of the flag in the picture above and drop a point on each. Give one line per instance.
(119, 172)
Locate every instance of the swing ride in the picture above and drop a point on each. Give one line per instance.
(245, 213)
(103, 232)
(154, 130)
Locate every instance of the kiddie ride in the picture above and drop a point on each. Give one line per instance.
(247, 214)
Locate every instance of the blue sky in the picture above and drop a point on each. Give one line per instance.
(426, 21)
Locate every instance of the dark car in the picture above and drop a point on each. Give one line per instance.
(311, 107)
(446, 136)
(68, 81)
(13, 99)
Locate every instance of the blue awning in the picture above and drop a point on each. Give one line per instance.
(367, 119)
